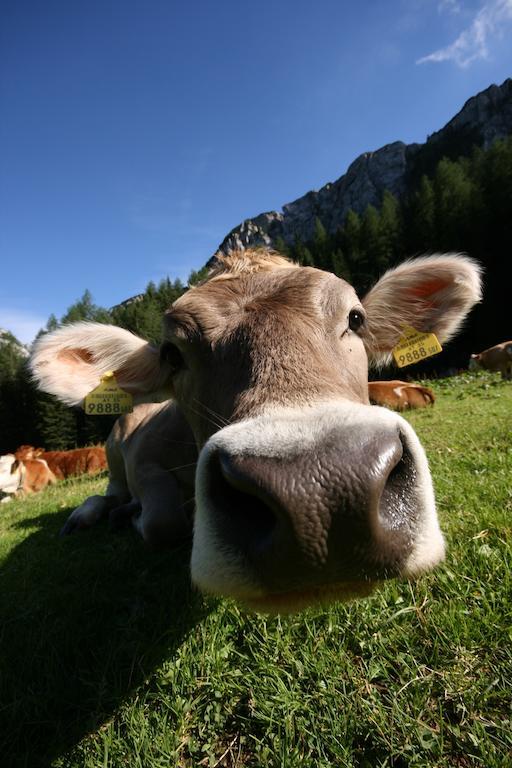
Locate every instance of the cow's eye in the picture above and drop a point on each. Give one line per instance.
(355, 320)
(172, 356)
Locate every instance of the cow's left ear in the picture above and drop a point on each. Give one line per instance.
(431, 293)
(70, 362)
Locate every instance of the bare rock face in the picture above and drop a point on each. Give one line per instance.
(483, 119)
(489, 113)
(362, 185)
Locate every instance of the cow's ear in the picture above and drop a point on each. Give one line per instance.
(70, 362)
(431, 293)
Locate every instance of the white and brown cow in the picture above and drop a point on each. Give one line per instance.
(495, 359)
(19, 478)
(64, 464)
(303, 492)
(400, 395)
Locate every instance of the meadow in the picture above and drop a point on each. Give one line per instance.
(109, 658)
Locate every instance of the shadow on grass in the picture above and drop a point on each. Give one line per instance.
(84, 620)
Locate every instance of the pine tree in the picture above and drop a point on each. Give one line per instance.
(453, 196)
(370, 233)
(85, 309)
(56, 424)
(301, 254)
(281, 247)
(350, 236)
(421, 215)
(339, 265)
(390, 241)
(320, 245)
(197, 276)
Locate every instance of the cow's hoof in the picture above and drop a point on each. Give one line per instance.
(120, 517)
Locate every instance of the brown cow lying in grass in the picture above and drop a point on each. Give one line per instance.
(400, 395)
(18, 478)
(28, 452)
(498, 358)
(78, 461)
(303, 492)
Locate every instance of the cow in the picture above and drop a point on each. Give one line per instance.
(400, 395)
(304, 493)
(498, 358)
(19, 478)
(28, 452)
(78, 461)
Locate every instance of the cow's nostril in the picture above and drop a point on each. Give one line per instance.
(248, 509)
(395, 501)
(396, 508)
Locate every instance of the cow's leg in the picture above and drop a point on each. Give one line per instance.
(95, 507)
(166, 511)
(121, 516)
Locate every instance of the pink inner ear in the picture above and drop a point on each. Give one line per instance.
(72, 356)
(427, 288)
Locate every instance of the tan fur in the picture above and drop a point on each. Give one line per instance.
(247, 262)
(400, 395)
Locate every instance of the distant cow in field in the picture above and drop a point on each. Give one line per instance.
(303, 492)
(28, 452)
(498, 358)
(400, 395)
(18, 478)
(78, 461)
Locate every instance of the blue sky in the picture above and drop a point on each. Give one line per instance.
(135, 134)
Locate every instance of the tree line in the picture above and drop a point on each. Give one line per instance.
(464, 204)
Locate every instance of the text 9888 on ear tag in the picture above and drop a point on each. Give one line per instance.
(414, 346)
(108, 399)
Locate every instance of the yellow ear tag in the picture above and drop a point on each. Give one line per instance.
(108, 399)
(414, 346)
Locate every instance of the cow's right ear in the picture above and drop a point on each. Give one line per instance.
(70, 362)
(432, 294)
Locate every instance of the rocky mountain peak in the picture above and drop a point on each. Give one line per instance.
(483, 119)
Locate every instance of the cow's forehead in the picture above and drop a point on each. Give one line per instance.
(301, 289)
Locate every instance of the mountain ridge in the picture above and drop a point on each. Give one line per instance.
(395, 167)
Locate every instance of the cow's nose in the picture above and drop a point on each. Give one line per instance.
(318, 515)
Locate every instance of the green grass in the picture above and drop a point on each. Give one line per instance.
(107, 657)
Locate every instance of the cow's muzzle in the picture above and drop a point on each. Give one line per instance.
(328, 503)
